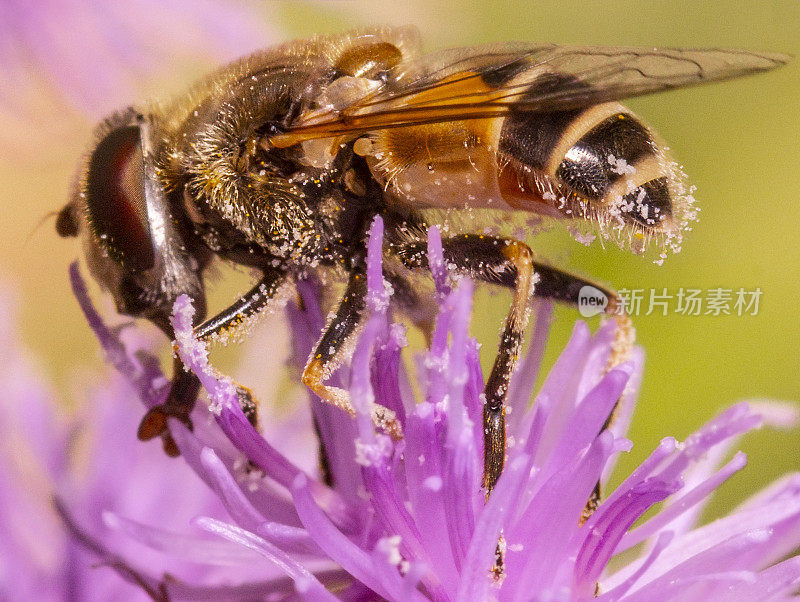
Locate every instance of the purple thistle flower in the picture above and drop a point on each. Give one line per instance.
(62, 479)
(407, 520)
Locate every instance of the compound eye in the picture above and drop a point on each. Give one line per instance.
(115, 198)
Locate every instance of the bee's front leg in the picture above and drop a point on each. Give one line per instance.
(335, 343)
(179, 403)
(186, 386)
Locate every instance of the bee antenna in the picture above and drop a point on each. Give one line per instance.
(39, 224)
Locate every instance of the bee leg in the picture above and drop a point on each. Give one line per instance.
(240, 311)
(508, 263)
(500, 261)
(334, 342)
(516, 258)
(186, 386)
(179, 403)
(564, 287)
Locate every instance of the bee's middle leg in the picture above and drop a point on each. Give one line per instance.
(335, 342)
(500, 261)
(508, 263)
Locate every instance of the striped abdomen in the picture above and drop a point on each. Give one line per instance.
(598, 163)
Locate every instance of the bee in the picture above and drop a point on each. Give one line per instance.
(280, 162)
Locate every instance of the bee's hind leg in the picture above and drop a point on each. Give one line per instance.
(186, 386)
(335, 342)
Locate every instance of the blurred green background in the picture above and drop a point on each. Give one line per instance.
(738, 141)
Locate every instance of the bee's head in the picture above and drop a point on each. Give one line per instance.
(120, 210)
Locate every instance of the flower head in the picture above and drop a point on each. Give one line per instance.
(408, 520)
(86, 511)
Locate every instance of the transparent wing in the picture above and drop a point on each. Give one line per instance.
(490, 81)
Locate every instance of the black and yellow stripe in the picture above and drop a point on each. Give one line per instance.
(601, 157)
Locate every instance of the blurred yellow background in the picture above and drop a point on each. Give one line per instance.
(739, 142)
